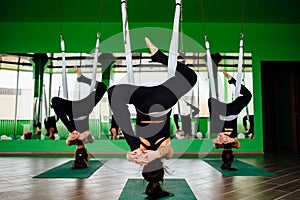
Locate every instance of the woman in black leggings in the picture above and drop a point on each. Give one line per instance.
(151, 139)
(75, 116)
(51, 128)
(227, 138)
(249, 132)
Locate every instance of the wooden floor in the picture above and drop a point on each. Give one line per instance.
(16, 180)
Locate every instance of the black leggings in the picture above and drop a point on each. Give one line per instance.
(150, 99)
(67, 110)
(251, 122)
(176, 120)
(217, 108)
(50, 122)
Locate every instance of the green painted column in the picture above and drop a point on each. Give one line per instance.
(39, 62)
(106, 73)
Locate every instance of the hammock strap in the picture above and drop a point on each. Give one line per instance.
(95, 63)
(210, 70)
(64, 74)
(173, 50)
(127, 45)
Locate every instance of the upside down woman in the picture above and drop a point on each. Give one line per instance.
(75, 117)
(227, 137)
(150, 142)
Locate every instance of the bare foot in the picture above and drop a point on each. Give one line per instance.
(227, 75)
(153, 49)
(76, 70)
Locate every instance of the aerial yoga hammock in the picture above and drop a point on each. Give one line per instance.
(151, 139)
(49, 121)
(75, 114)
(185, 131)
(223, 116)
(173, 50)
(248, 131)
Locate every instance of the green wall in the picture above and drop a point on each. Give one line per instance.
(110, 147)
(98, 129)
(7, 127)
(266, 42)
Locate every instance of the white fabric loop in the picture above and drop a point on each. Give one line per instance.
(64, 73)
(173, 50)
(127, 46)
(95, 63)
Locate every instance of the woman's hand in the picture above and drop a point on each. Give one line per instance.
(74, 135)
(132, 156)
(148, 156)
(142, 157)
(163, 152)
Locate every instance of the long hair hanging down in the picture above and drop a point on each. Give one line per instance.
(153, 172)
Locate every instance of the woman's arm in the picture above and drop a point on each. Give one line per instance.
(166, 151)
(141, 157)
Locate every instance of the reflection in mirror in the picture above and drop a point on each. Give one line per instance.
(190, 116)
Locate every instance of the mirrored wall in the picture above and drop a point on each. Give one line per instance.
(18, 81)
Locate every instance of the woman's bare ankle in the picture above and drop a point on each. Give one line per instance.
(228, 76)
(153, 49)
(77, 71)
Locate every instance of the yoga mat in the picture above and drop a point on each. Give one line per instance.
(244, 169)
(65, 171)
(135, 188)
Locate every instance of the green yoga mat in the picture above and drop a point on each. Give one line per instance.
(244, 169)
(135, 188)
(65, 171)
